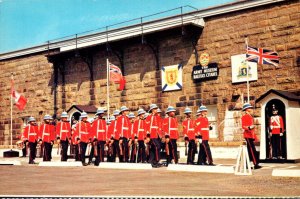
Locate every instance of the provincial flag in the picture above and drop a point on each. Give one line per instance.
(116, 76)
(171, 77)
(19, 100)
(262, 56)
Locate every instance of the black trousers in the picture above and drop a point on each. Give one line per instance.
(116, 151)
(111, 151)
(155, 148)
(92, 152)
(64, 150)
(206, 151)
(47, 151)
(100, 152)
(125, 156)
(77, 152)
(134, 152)
(253, 155)
(276, 145)
(24, 150)
(173, 151)
(32, 154)
(83, 147)
(201, 155)
(191, 152)
(141, 151)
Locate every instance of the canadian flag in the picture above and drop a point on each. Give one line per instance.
(115, 75)
(20, 100)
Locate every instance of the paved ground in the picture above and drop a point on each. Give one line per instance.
(90, 180)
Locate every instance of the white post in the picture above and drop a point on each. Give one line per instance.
(11, 109)
(107, 87)
(248, 86)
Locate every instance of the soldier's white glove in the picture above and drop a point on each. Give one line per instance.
(251, 127)
(281, 134)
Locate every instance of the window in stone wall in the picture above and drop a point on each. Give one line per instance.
(212, 118)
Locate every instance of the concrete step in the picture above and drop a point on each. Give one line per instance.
(114, 165)
(10, 162)
(286, 172)
(201, 168)
(60, 164)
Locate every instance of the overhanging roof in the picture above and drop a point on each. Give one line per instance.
(284, 94)
(191, 18)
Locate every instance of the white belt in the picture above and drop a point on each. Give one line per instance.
(141, 130)
(204, 128)
(191, 129)
(173, 129)
(31, 133)
(46, 133)
(84, 133)
(101, 131)
(154, 127)
(64, 131)
(126, 128)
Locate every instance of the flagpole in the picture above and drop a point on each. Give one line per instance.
(11, 111)
(248, 86)
(107, 87)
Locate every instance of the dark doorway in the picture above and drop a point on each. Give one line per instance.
(268, 113)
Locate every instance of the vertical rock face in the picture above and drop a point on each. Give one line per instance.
(274, 27)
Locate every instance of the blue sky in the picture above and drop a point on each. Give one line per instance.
(26, 23)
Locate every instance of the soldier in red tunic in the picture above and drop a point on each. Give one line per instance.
(170, 129)
(30, 134)
(204, 127)
(249, 134)
(276, 133)
(46, 136)
(190, 135)
(154, 132)
(83, 135)
(99, 136)
(123, 128)
(133, 142)
(116, 135)
(139, 134)
(63, 133)
(110, 143)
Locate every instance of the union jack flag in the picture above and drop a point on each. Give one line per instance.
(262, 56)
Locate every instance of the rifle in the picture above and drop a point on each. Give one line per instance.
(89, 149)
(58, 149)
(95, 148)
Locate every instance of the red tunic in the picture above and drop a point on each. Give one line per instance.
(247, 120)
(47, 133)
(276, 123)
(154, 126)
(139, 129)
(170, 127)
(63, 130)
(83, 131)
(123, 126)
(30, 133)
(189, 128)
(204, 128)
(98, 130)
(197, 126)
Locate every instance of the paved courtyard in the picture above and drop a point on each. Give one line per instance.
(93, 181)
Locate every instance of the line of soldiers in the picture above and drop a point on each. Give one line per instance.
(134, 139)
(131, 138)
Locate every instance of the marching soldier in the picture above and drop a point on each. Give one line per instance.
(99, 135)
(47, 136)
(116, 135)
(76, 144)
(63, 133)
(154, 132)
(123, 127)
(249, 134)
(204, 128)
(30, 134)
(276, 133)
(170, 128)
(133, 142)
(201, 155)
(190, 135)
(83, 135)
(111, 149)
(139, 132)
